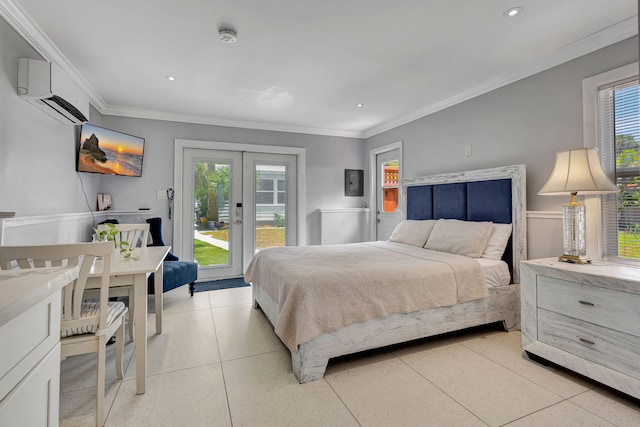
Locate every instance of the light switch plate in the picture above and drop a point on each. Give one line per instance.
(467, 150)
(161, 195)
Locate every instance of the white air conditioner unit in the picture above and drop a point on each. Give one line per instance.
(46, 86)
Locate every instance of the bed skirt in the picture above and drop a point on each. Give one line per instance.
(310, 362)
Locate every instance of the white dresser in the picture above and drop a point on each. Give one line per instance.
(585, 318)
(30, 345)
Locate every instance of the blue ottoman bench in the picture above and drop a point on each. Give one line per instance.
(175, 272)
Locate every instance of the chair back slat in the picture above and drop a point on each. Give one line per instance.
(137, 235)
(83, 254)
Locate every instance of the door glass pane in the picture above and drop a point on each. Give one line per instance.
(211, 213)
(271, 203)
(390, 185)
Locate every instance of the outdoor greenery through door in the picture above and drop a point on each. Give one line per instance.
(211, 210)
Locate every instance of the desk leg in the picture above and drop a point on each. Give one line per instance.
(157, 289)
(140, 325)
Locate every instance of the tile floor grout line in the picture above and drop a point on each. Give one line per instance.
(439, 388)
(505, 346)
(224, 380)
(512, 371)
(342, 401)
(106, 419)
(587, 409)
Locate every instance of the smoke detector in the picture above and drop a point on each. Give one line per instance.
(227, 35)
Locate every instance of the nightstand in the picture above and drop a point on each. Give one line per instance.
(585, 318)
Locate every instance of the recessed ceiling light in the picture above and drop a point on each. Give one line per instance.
(171, 78)
(359, 105)
(510, 13)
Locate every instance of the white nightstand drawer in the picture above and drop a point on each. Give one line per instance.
(606, 347)
(605, 307)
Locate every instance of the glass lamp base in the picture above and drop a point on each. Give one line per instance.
(573, 230)
(575, 259)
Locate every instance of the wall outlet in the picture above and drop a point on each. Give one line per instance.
(467, 150)
(161, 195)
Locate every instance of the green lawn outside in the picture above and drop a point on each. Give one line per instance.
(628, 245)
(218, 234)
(266, 237)
(207, 254)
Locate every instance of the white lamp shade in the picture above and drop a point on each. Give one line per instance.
(578, 171)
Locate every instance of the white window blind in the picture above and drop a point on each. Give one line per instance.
(619, 141)
(264, 191)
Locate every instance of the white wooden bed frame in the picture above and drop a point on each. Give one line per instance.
(502, 305)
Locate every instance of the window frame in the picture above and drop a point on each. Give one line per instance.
(591, 130)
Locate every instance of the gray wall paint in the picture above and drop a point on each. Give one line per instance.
(37, 153)
(524, 122)
(327, 157)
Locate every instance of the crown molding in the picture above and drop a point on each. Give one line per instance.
(590, 43)
(141, 113)
(31, 32)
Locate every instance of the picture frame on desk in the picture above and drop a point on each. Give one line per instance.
(104, 201)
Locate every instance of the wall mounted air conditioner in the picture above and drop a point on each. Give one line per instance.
(46, 86)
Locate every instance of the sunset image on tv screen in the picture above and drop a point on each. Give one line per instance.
(109, 152)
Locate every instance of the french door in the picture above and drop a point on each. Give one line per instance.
(234, 204)
(270, 189)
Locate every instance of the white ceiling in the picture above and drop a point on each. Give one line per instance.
(302, 65)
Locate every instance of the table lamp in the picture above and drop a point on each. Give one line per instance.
(576, 171)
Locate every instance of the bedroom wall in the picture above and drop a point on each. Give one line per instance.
(326, 156)
(37, 156)
(37, 153)
(524, 122)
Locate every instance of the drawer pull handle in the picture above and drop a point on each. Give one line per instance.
(590, 304)
(586, 341)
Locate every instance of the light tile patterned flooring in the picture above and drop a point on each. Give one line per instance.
(218, 363)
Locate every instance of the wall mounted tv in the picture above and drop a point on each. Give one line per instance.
(109, 152)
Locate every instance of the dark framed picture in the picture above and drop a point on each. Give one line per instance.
(354, 182)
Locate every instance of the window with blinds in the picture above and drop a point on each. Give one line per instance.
(619, 140)
(264, 191)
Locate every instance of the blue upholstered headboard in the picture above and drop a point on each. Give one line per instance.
(471, 196)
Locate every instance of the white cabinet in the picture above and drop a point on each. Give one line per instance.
(35, 401)
(585, 318)
(347, 225)
(30, 302)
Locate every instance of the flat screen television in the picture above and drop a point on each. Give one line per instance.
(109, 152)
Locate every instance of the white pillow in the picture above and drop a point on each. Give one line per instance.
(412, 232)
(466, 238)
(498, 241)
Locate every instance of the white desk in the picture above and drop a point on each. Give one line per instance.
(30, 304)
(128, 272)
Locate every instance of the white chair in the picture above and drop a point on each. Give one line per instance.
(136, 235)
(87, 325)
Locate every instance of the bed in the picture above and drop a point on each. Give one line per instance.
(473, 198)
